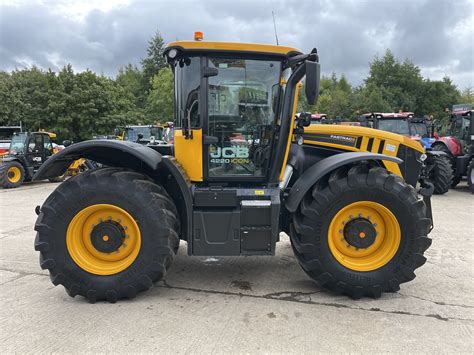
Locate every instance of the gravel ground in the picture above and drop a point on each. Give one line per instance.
(243, 305)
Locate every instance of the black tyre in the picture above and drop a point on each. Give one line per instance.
(456, 179)
(470, 175)
(107, 234)
(12, 174)
(366, 211)
(440, 173)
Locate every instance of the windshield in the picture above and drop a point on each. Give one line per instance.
(242, 99)
(17, 145)
(131, 133)
(397, 125)
(418, 129)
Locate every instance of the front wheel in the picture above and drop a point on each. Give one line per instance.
(440, 173)
(107, 234)
(12, 174)
(361, 232)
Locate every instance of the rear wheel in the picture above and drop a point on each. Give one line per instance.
(440, 173)
(107, 234)
(361, 232)
(470, 175)
(12, 174)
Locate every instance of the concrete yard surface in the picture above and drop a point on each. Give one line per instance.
(239, 304)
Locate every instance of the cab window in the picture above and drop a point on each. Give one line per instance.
(36, 144)
(187, 76)
(241, 103)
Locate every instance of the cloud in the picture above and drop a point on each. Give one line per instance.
(438, 35)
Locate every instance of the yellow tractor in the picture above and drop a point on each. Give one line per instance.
(244, 168)
(27, 152)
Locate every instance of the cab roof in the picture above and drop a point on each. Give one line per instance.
(233, 47)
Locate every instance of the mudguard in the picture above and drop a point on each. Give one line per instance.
(325, 166)
(131, 156)
(124, 154)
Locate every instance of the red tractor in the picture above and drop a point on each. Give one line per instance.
(436, 166)
(458, 145)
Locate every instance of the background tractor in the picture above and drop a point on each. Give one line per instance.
(458, 145)
(244, 169)
(144, 134)
(422, 130)
(436, 168)
(27, 152)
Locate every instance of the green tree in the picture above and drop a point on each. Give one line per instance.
(160, 101)
(154, 60)
(467, 96)
(399, 82)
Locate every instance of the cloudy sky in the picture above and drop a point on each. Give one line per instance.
(102, 35)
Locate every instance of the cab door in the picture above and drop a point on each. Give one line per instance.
(189, 110)
(35, 151)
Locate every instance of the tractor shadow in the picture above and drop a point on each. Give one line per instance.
(254, 275)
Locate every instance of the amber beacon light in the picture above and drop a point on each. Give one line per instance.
(198, 36)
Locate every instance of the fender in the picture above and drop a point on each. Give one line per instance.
(129, 155)
(451, 143)
(124, 154)
(325, 166)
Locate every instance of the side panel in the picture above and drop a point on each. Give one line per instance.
(360, 139)
(188, 152)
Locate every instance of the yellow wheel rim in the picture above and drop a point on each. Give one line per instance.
(14, 174)
(385, 243)
(88, 227)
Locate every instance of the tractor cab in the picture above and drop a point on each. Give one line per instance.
(34, 148)
(461, 123)
(389, 122)
(144, 134)
(422, 130)
(230, 121)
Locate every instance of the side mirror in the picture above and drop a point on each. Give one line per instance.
(304, 120)
(312, 81)
(458, 124)
(67, 143)
(209, 71)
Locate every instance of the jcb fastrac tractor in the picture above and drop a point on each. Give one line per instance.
(244, 170)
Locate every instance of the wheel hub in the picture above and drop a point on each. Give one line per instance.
(359, 233)
(108, 236)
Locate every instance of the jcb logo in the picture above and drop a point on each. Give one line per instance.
(230, 152)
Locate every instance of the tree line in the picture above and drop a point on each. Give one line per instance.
(391, 86)
(79, 105)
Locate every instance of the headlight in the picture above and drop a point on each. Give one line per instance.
(172, 53)
(423, 157)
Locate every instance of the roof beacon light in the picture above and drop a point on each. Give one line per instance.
(198, 36)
